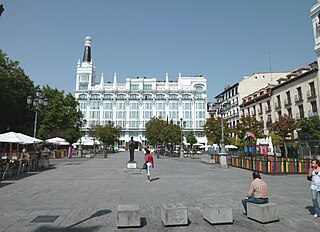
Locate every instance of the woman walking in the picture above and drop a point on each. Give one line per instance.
(314, 177)
(150, 163)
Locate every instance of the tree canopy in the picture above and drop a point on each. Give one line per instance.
(310, 127)
(15, 87)
(107, 134)
(154, 129)
(249, 124)
(212, 129)
(191, 138)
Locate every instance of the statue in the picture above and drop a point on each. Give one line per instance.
(132, 146)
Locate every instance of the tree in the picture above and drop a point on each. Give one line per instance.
(15, 87)
(249, 124)
(212, 129)
(171, 133)
(107, 134)
(310, 127)
(284, 127)
(154, 129)
(60, 117)
(191, 138)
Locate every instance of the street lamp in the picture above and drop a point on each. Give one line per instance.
(182, 124)
(36, 104)
(222, 108)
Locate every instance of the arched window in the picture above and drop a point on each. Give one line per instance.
(82, 97)
(161, 97)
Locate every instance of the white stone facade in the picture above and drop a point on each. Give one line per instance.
(131, 104)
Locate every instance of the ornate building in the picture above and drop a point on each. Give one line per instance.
(131, 104)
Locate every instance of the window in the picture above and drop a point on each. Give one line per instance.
(94, 114)
(147, 86)
(121, 106)
(121, 114)
(289, 112)
(83, 106)
(186, 106)
(134, 87)
(173, 106)
(186, 97)
(134, 97)
(161, 114)
(314, 106)
(199, 88)
(187, 115)
(82, 97)
(160, 106)
(301, 111)
(134, 114)
(84, 77)
(134, 106)
(147, 106)
(94, 105)
(107, 97)
(83, 87)
(160, 97)
(134, 124)
(107, 106)
(173, 114)
(173, 97)
(95, 97)
(121, 96)
(107, 114)
(147, 97)
(147, 114)
(199, 106)
(200, 114)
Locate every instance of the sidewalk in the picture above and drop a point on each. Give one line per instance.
(83, 194)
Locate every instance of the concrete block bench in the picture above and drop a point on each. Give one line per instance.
(263, 213)
(174, 214)
(217, 214)
(128, 215)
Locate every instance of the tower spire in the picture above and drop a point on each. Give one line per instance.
(87, 50)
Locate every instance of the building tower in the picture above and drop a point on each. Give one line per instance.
(86, 74)
(315, 17)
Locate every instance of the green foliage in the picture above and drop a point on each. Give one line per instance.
(107, 134)
(60, 114)
(71, 135)
(15, 87)
(237, 142)
(276, 139)
(191, 138)
(154, 129)
(284, 126)
(311, 127)
(212, 130)
(249, 124)
(171, 133)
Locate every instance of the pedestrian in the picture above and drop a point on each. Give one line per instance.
(258, 192)
(314, 177)
(150, 163)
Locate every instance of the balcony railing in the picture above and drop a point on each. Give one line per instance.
(287, 102)
(268, 109)
(298, 98)
(277, 104)
(311, 94)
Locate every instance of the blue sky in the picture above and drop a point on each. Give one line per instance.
(222, 40)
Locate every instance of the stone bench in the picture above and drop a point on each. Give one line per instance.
(129, 216)
(216, 214)
(263, 213)
(174, 214)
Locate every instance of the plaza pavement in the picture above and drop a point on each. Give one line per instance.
(84, 194)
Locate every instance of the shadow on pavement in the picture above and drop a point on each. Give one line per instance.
(78, 229)
(143, 221)
(310, 208)
(96, 214)
(4, 184)
(157, 178)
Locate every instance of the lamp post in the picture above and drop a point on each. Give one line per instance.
(222, 108)
(36, 104)
(182, 124)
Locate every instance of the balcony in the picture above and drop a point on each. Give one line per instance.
(268, 109)
(311, 94)
(259, 110)
(253, 113)
(287, 102)
(277, 105)
(298, 98)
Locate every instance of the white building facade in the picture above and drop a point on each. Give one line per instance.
(131, 104)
